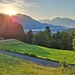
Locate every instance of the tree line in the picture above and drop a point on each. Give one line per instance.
(59, 40)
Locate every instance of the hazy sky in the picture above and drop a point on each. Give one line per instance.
(40, 9)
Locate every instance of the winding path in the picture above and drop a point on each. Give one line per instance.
(6, 40)
(38, 61)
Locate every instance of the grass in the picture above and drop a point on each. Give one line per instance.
(38, 51)
(15, 66)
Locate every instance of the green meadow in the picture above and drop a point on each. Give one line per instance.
(15, 66)
(38, 51)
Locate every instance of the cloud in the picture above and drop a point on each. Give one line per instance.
(22, 3)
(5, 6)
(13, 3)
(19, 6)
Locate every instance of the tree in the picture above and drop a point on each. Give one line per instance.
(30, 36)
(72, 33)
(48, 29)
(25, 38)
(56, 43)
(57, 35)
(73, 43)
(62, 40)
(42, 38)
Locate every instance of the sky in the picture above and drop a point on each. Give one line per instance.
(40, 9)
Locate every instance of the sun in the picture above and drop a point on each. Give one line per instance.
(10, 12)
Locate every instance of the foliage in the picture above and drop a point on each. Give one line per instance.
(42, 39)
(62, 40)
(48, 29)
(59, 40)
(72, 33)
(73, 43)
(30, 36)
(25, 38)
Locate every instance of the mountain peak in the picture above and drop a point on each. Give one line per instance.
(67, 22)
(57, 18)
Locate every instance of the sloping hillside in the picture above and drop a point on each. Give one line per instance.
(38, 51)
(11, 66)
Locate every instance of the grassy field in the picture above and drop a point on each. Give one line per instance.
(38, 51)
(15, 66)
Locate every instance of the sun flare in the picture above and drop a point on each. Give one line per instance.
(10, 12)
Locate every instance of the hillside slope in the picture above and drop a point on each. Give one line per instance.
(38, 51)
(10, 66)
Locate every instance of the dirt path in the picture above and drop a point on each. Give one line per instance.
(32, 59)
(38, 61)
(6, 40)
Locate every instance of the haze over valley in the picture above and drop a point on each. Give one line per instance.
(58, 21)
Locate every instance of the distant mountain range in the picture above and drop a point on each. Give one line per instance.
(29, 23)
(67, 22)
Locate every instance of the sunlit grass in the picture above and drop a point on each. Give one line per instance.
(15, 66)
(38, 51)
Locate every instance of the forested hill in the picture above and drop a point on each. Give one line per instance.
(10, 29)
